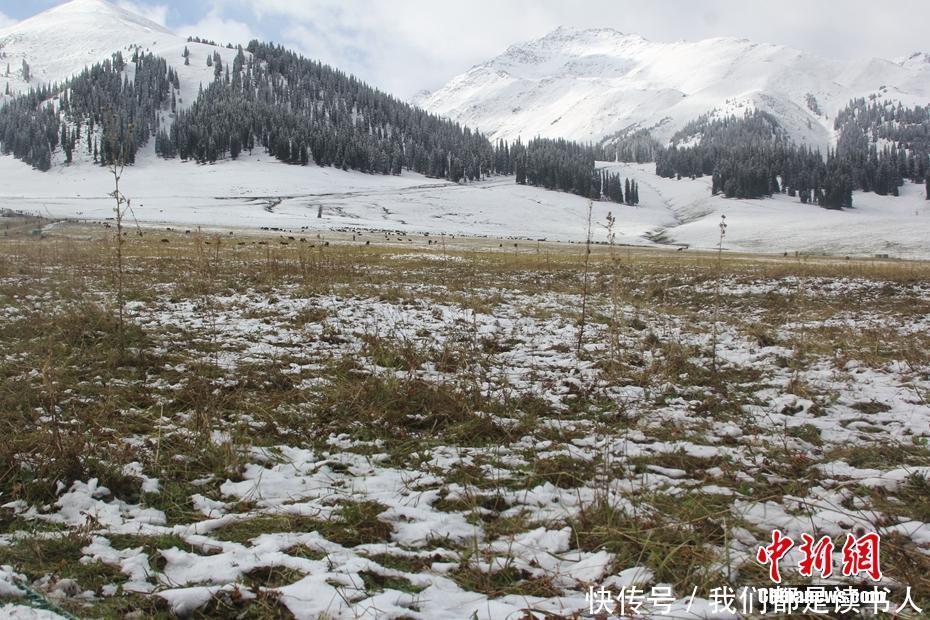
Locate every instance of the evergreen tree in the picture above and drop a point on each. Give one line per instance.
(614, 191)
(639, 146)
(751, 157)
(32, 128)
(299, 111)
(555, 164)
(519, 162)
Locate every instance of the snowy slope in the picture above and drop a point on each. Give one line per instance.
(598, 70)
(62, 41)
(259, 191)
(588, 84)
(899, 227)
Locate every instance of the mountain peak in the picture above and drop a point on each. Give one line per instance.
(915, 59)
(589, 84)
(61, 41)
(570, 36)
(572, 31)
(86, 5)
(565, 44)
(100, 12)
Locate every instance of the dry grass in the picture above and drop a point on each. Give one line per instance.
(73, 388)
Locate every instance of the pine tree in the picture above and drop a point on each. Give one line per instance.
(293, 108)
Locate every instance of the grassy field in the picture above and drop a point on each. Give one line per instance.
(430, 427)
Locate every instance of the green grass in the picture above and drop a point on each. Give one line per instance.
(405, 563)
(272, 577)
(152, 546)
(507, 581)
(677, 550)
(881, 455)
(352, 524)
(376, 582)
(59, 555)
(562, 471)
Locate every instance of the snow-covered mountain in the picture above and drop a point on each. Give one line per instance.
(589, 84)
(578, 84)
(62, 41)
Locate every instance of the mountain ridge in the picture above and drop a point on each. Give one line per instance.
(61, 41)
(306, 159)
(97, 8)
(587, 84)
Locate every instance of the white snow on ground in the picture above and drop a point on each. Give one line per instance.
(257, 191)
(539, 358)
(688, 78)
(23, 612)
(898, 226)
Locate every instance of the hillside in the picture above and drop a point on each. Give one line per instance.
(60, 42)
(206, 103)
(257, 192)
(275, 343)
(589, 84)
(273, 140)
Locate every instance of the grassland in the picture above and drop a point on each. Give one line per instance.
(420, 427)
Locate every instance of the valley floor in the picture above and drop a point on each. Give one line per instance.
(257, 192)
(295, 428)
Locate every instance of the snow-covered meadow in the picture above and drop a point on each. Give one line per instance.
(258, 192)
(289, 427)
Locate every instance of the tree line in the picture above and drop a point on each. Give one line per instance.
(100, 110)
(751, 156)
(904, 134)
(637, 146)
(297, 110)
(563, 165)
(300, 110)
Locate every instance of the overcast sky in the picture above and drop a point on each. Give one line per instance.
(404, 46)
